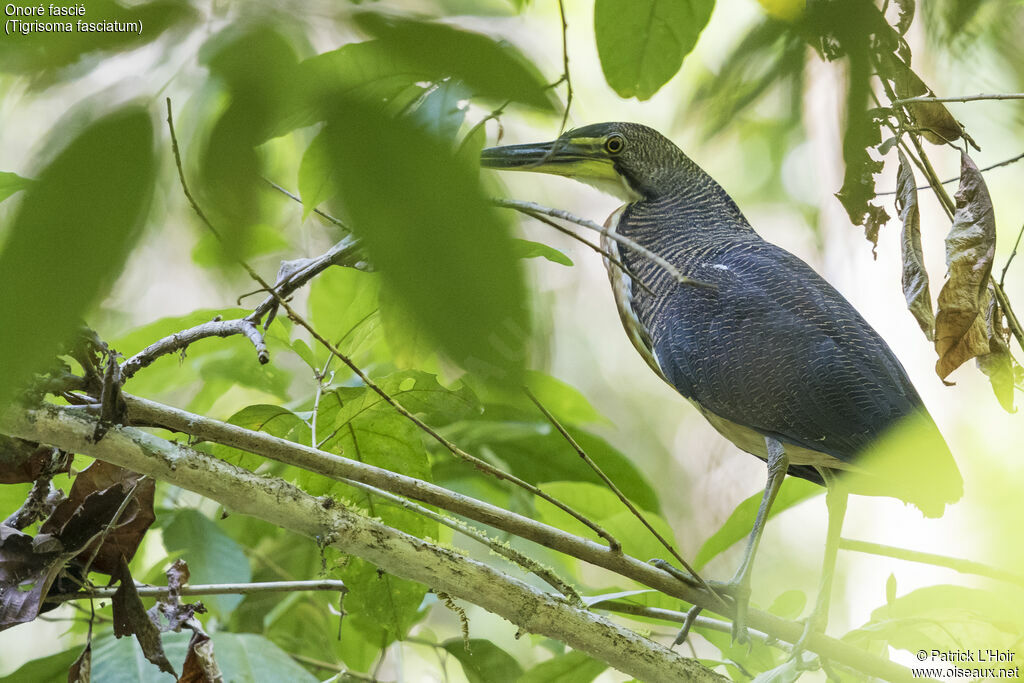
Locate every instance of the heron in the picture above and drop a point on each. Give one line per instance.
(772, 355)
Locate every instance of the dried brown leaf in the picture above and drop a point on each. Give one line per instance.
(858, 188)
(96, 495)
(905, 8)
(130, 618)
(170, 614)
(915, 277)
(937, 125)
(23, 461)
(26, 574)
(960, 329)
(1003, 371)
(200, 665)
(81, 668)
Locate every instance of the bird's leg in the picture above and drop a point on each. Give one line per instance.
(835, 501)
(739, 586)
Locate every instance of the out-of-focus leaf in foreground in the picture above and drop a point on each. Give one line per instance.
(642, 43)
(487, 68)
(71, 237)
(741, 521)
(999, 365)
(915, 277)
(428, 227)
(11, 183)
(960, 332)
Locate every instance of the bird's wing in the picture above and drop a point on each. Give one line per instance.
(777, 349)
(623, 287)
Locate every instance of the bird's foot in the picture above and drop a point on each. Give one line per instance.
(739, 591)
(812, 627)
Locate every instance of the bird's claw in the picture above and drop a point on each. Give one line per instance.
(739, 591)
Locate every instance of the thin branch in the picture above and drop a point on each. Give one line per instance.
(148, 591)
(282, 504)
(1005, 162)
(611, 257)
(960, 565)
(959, 98)
(326, 216)
(615, 489)
(181, 340)
(675, 617)
(1002, 276)
(481, 465)
(151, 413)
(530, 208)
(565, 65)
(98, 542)
(452, 448)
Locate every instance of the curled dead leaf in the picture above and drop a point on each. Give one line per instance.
(999, 365)
(915, 277)
(960, 329)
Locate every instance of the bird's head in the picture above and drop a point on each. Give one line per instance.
(627, 160)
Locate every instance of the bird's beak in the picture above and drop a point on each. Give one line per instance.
(573, 157)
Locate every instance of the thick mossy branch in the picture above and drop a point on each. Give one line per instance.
(284, 505)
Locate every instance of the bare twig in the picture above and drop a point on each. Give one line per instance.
(530, 209)
(181, 340)
(960, 565)
(615, 489)
(279, 300)
(326, 216)
(673, 616)
(481, 465)
(148, 591)
(1005, 162)
(959, 98)
(611, 257)
(1002, 276)
(565, 65)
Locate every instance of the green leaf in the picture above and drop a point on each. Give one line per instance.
(534, 451)
(946, 618)
(45, 669)
(77, 225)
(212, 556)
(11, 183)
(599, 504)
(316, 184)
(642, 43)
(382, 599)
(240, 656)
(252, 657)
(120, 660)
(741, 521)
(344, 305)
(440, 246)
(528, 249)
(39, 53)
(484, 662)
(572, 667)
(487, 68)
(789, 604)
(439, 113)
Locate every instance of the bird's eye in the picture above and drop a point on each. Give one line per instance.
(614, 144)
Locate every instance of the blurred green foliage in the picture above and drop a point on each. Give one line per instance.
(383, 131)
